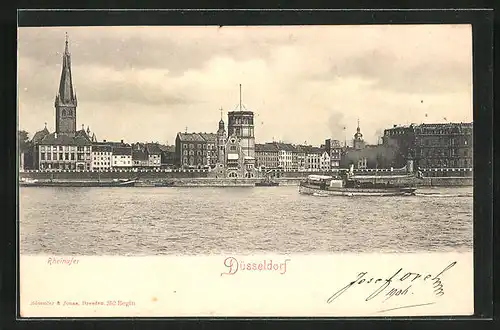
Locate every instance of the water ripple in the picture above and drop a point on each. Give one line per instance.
(133, 221)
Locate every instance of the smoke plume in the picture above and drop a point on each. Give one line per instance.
(380, 156)
(337, 126)
(378, 135)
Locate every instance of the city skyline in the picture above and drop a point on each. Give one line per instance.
(149, 83)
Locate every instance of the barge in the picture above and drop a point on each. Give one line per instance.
(78, 183)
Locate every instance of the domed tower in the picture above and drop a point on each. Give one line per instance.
(221, 141)
(358, 142)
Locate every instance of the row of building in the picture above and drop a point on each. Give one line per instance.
(233, 152)
(83, 152)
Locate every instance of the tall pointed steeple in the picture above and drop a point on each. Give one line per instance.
(66, 94)
(65, 102)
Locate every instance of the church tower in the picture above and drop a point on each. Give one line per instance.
(358, 142)
(221, 141)
(65, 102)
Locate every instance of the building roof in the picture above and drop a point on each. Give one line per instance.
(430, 125)
(314, 150)
(116, 144)
(101, 148)
(62, 139)
(164, 147)
(122, 150)
(335, 143)
(40, 135)
(83, 133)
(190, 137)
(238, 113)
(287, 147)
(302, 148)
(197, 137)
(209, 137)
(138, 146)
(153, 148)
(139, 155)
(267, 147)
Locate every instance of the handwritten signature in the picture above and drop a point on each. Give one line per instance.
(399, 284)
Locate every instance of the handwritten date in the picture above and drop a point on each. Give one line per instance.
(403, 280)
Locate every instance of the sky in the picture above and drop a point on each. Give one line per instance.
(304, 83)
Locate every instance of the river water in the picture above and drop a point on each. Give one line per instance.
(179, 221)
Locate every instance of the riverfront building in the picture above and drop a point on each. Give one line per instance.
(153, 152)
(101, 156)
(287, 156)
(210, 151)
(139, 158)
(191, 150)
(447, 145)
(266, 156)
(334, 150)
(122, 157)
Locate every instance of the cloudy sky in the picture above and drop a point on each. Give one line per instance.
(304, 83)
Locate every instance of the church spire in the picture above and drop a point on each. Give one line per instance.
(66, 94)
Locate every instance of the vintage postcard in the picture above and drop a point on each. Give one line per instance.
(245, 171)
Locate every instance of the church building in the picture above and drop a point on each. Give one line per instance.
(67, 148)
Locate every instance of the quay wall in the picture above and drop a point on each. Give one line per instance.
(94, 175)
(205, 178)
(447, 182)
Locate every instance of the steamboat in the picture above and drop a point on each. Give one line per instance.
(347, 184)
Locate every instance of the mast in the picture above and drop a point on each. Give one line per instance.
(240, 97)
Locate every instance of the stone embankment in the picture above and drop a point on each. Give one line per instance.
(207, 179)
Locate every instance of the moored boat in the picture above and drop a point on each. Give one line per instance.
(78, 183)
(322, 185)
(267, 183)
(164, 184)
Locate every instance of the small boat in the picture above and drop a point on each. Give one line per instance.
(78, 183)
(164, 184)
(322, 185)
(267, 182)
(143, 184)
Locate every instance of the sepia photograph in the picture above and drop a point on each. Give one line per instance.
(321, 170)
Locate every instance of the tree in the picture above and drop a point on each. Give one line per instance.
(24, 141)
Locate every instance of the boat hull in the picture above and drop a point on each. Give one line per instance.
(330, 191)
(129, 183)
(266, 184)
